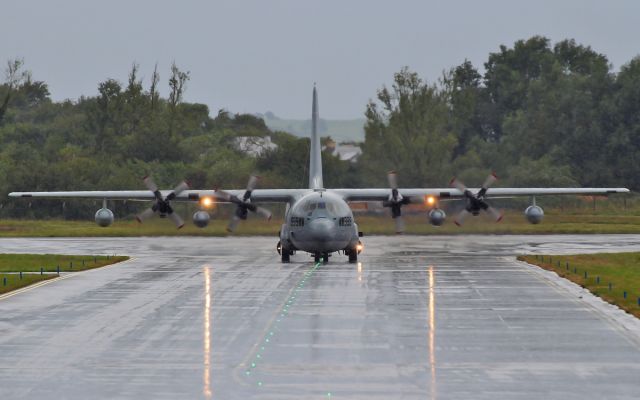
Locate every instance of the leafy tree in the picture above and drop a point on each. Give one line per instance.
(15, 75)
(408, 130)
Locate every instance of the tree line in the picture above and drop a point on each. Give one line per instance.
(538, 115)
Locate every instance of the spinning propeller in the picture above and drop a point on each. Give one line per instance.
(476, 202)
(162, 205)
(243, 204)
(396, 201)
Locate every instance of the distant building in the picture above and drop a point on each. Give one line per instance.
(254, 146)
(344, 151)
(347, 152)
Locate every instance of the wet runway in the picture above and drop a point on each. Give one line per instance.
(418, 317)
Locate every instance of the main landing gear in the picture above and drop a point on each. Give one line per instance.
(285, 254)
(353, 256)
(353, 253)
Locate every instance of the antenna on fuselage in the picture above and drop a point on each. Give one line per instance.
(315, 158)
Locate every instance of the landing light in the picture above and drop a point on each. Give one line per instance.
(206, 202)
(359, 247)
(431, 200)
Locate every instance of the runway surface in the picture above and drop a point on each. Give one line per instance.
(419, 317)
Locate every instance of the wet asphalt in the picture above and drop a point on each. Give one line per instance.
(450, 317)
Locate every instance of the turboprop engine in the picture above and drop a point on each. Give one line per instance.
(534, 214)
(201, 219)
(437, 217)
(104, 217)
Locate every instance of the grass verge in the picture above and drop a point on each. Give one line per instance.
(513, 223)
(10, 282)
(39, 267)
(614, 277)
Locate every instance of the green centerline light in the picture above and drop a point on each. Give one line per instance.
(283, 313)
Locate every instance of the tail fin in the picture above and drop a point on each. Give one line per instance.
(315, 158)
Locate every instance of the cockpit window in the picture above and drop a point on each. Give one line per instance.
(309, 206)
(335, 208)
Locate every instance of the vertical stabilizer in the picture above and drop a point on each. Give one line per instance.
(315, 159)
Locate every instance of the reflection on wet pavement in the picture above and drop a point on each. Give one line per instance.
(417, 317)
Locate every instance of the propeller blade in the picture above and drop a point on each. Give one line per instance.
(392, 177)
(146, 214)
(226, 196)
(399, 224)
(233, 224)
(223, 195)
(458, 185)
(253, 182)
(182, 186)
(491, 179)
(461, 217)
(264, 212)
(495, 214)
(150, 184)
(176, 219)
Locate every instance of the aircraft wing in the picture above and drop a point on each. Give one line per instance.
(445, 193)
(288, 195)
(257, 196)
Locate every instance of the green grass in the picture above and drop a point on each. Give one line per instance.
(621, 270)
(555, 222)
(50, 262)
(31, 265)
(14, 282)
(513, 223)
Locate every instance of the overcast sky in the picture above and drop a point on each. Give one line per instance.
(261, 55)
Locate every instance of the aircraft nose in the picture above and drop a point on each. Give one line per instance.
(321, 229)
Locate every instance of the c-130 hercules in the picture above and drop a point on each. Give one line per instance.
(318, 220)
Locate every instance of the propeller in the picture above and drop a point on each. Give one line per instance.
(396, 201)
(162, 204)
(476, 202)
(243, 205)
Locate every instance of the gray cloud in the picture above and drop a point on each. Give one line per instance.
(258, 55)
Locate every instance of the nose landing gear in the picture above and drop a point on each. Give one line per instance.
(318, 256)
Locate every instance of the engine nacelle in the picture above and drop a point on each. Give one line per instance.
(201, 219)
(104, 217)
(534, 214)
(437, 217)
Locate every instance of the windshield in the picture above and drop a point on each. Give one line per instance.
(329, 207)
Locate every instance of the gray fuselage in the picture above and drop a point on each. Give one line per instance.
(319, 222)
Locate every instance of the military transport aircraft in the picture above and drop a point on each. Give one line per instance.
(318, 220)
